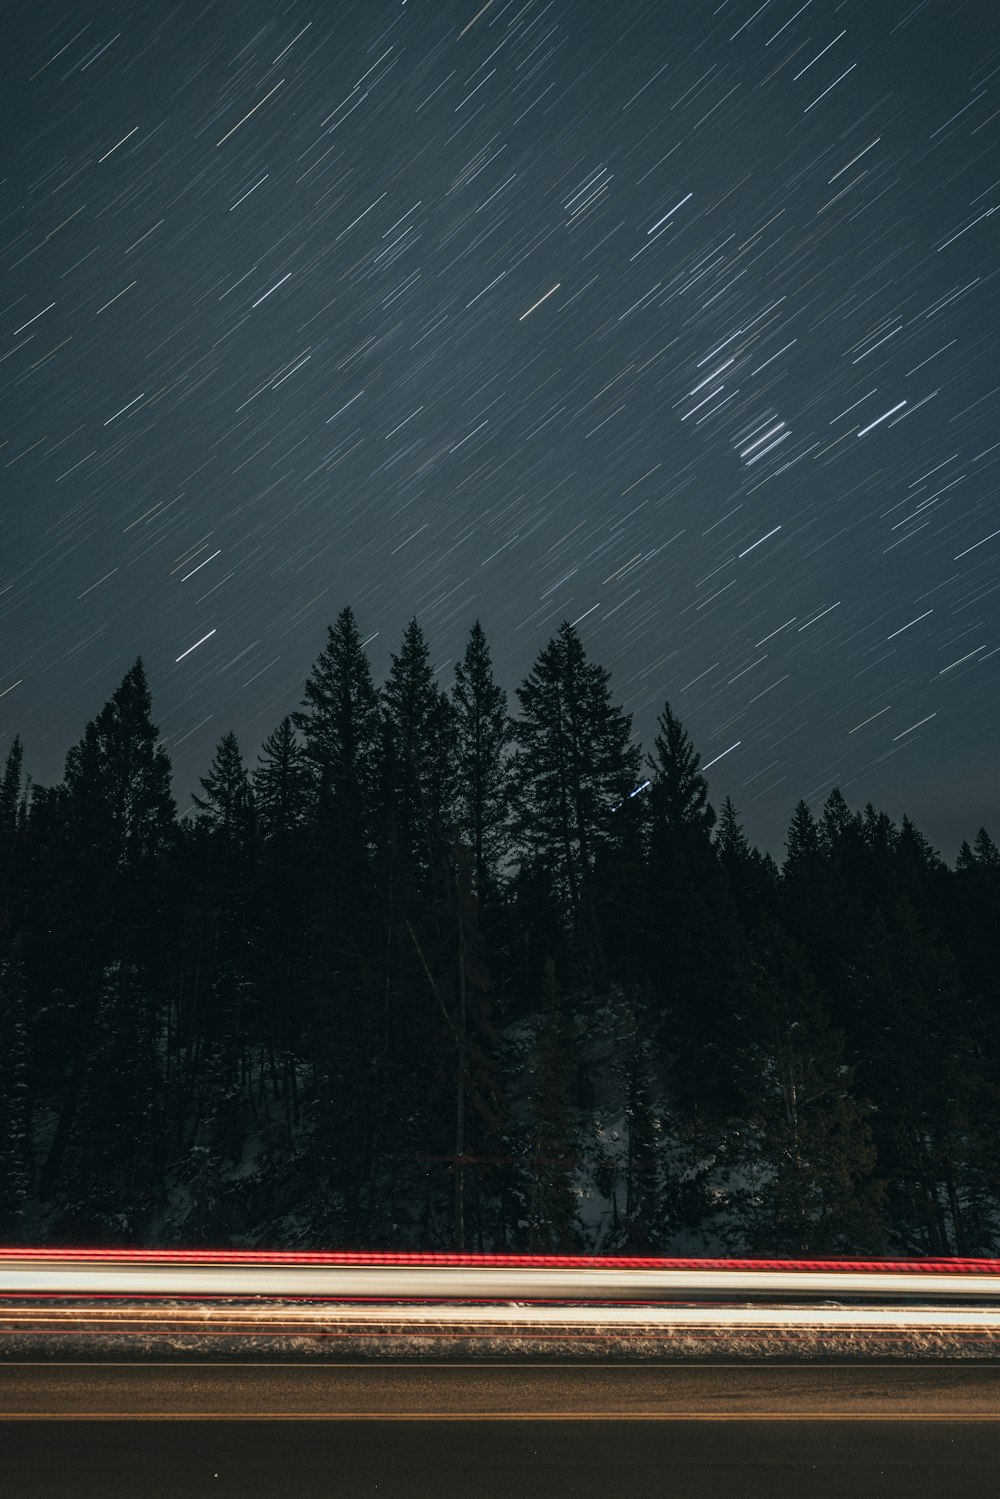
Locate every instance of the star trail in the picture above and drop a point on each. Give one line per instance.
(674, 320)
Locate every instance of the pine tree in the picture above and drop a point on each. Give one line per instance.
(282, 793)
(421, 772)
(223, 999)
(10, 792)
(808, 902)
(483, 737)
(974, 931)
(110, 892)
(15, 1101)
(692, 939)
(118, 782)
(227, 808)
(284, 796)
(575, 764)
(399, 1026)
(752, 879)
(922, 876)
(340, 725)
(10, 802)
(679, 794)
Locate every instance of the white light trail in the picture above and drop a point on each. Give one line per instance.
(914, 726)
(832, 86)
(758, 542)
(124, 409)
(884, 417)
(32, 320)
(976, 544)
(724, 752)
(180, 658)
(272, 289)
(120, 143)
(907, 626)
(666, 216)
(252, 111)
(24, 1275)
(540, 301)
(861, 725)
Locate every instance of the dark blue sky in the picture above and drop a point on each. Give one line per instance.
(677, 320)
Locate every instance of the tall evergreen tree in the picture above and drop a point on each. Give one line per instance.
(16, 1167)
(10, 802)
(116, 828)
(281, 788)
(691, 935)
(339, 721)
(483, 736)
(341, 728)
(227, 808)
(284, 797)
(752, 878)
(225, 852)
(808, 900)
(10, 791)
(420, 721)
(575, 765)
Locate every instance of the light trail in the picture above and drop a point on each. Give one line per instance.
(400, 1278)
(302, 1318)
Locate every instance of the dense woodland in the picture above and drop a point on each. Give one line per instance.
(426, 972)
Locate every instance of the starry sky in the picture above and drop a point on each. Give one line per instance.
(674, 319)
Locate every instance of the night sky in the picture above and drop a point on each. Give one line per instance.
(674, 319)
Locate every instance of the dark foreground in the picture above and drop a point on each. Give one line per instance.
(484, 1459)
(194, 1429)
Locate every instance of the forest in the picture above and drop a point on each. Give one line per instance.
(432, 969)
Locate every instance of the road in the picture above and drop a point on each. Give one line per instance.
(479, 1430)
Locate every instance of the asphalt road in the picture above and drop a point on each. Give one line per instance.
(479, 1431)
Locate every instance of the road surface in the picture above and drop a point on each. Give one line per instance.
(302, 1429)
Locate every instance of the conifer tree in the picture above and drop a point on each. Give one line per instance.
(281, 788)
(15, 1101)
(10, 792)
(341, 728)
(751, 878)
(110, 895)
(284, 796)
(421, 772)
(575, 764)
(340, 724)
(808, 901)
(974, 927)
(483, 735)
(226, 844)
(10, 802)
(227, 808)
(692, 940)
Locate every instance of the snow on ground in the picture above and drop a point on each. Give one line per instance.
(509, 1331)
